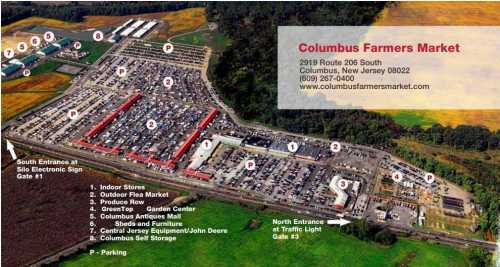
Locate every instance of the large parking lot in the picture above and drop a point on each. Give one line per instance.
(51, 124)
(148, 76)
(192, 56)
(282, 178)
(129, 132)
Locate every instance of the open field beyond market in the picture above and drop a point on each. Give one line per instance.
(244, 246)
(21, 94)
(446, 14)
(184, 20)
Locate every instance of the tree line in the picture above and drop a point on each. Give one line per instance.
(246, 76)
(461, 137)
(484, 185)
(246, 73)
(362, 230)
(75, 11)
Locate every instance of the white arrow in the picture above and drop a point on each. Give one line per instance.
(340, 222)
(10, 147)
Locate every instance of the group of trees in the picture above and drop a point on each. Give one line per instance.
(462, 137)
(246, 77)
(246, 72)
(478, 257)
(75, 11)
(369, 232)
(485, 188)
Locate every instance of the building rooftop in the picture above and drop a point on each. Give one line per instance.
(9, 69)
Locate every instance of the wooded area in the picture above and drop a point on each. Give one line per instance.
(462, 137)
(75, 11)
(246, 73)
(484, 185)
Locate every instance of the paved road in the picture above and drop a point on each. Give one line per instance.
(140, 173)
(173, 180)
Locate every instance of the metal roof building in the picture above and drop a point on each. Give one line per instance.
(202, 154)
(63, 42)
(144, 29)
(132, 28)
(47, 50)
(115, 38)
(28, 60)
(342, 196)
(10, 69)
(121, 27)
(25, 61)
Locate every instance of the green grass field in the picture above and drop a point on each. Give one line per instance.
(96, 49)
(46, 67)
(215, 40)
(244, 247)
(409, 118)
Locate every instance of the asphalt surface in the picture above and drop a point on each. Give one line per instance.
(135, 172)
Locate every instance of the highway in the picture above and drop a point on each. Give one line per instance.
(173, 180)
(138, 172)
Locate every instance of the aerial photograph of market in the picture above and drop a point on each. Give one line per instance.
(176, 101)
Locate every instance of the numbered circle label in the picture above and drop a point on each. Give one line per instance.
(429, 178)
(343, 184)
(49, 36)
(335, 147)
(22, 47)
(206, 144)
(168, 82)
(121, 72)
(73, 114)
(293, 147)
(168, 48)
(35, 41)
(77, 45)
(151, 124)
(250, 165)
(98, 36)
(397, 177)
(8, 53)
(26, 72)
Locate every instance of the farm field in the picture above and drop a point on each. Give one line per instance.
(13, 40)
(184, 20)
(21, 94)
(245, 247)
(181, 21)
(409, 118)
(49, 209)
(453, 118)
(88, 23)
(15, 103)
(212, 39)
(443, 13)
(47, 82)
(440, 13)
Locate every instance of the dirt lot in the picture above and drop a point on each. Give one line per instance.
(43, 216)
